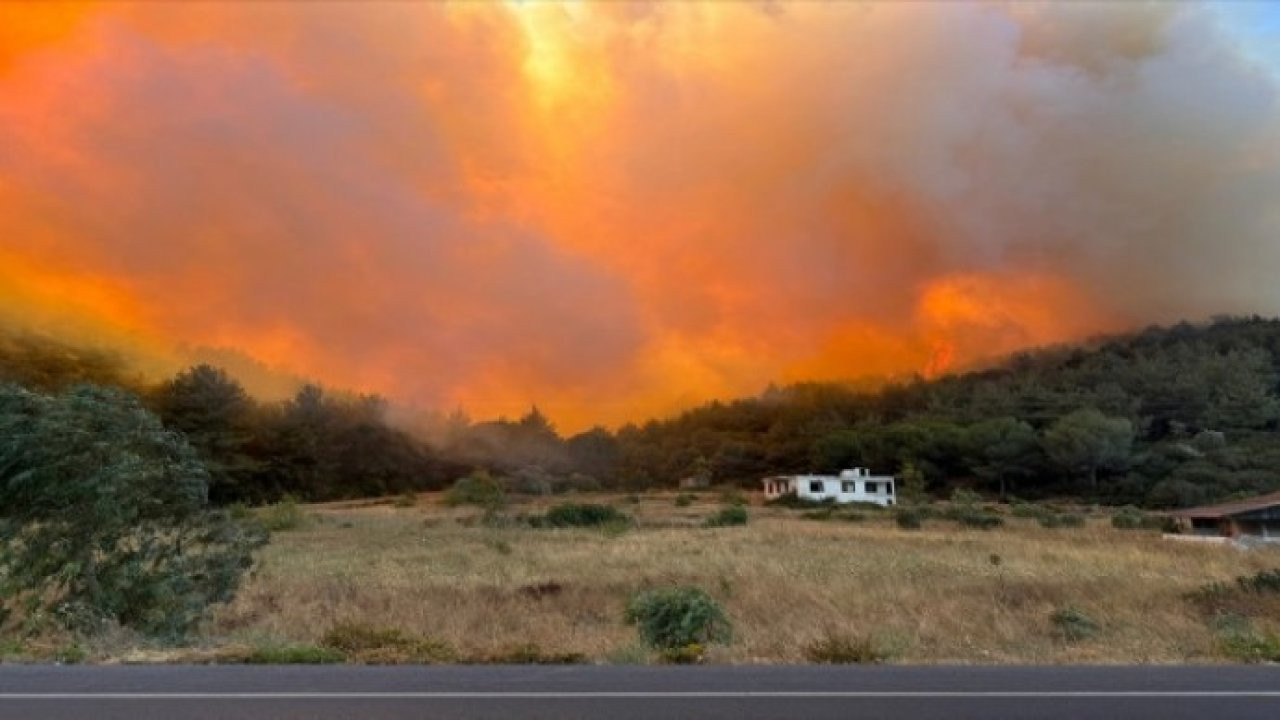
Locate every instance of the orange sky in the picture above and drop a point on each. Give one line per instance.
(619, 210)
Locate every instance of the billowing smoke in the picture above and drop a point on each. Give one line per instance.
(615, 210)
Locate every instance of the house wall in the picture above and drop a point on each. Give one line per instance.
(846, 488)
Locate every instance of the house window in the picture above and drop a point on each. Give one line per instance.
(815, 486)
(850, 487)
(873, 487)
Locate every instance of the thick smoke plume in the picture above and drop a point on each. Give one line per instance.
(617, 210)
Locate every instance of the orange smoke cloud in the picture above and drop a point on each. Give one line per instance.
(616, 210)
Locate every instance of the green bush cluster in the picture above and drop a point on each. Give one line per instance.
(1073, 624)
(479, 489)
(685, 499)
(729, 516)
(1248, 645)
(909, 518)
(580, 515)
(282, 516)
(1061, 520)
(673, 619)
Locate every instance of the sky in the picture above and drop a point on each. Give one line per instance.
(617, 211)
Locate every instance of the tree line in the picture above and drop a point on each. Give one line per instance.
(1164, 417)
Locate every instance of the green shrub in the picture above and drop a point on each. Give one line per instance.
(1265, 581)
(479, 488)
(1247, 645)
(283, 516)
(732, 515)
(71, 654)
(835, 649)
(1072, 624)
(974, 518)
(581, 515)
(684, 500)
(294, 655)
(1127, 518)
(733, 496)
(1063, 520)
(406, 499)
(672, 618)
(909, 518)
(106, 516)
(1030, 511)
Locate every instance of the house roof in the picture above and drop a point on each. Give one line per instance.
(1231, 508)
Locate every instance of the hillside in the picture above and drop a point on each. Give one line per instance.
(1168, 416)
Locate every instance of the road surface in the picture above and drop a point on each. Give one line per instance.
(623, 693)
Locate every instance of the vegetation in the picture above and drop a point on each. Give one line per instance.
(479, 488)
(1073, 624)
(836, 649)
(679, 621)
(581, 515)
(1161, 418)
(106, 518)
(383, 646)
(728, 516)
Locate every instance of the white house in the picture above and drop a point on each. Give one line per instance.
(856, 485)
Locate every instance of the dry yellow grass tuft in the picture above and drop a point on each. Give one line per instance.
(940, 594)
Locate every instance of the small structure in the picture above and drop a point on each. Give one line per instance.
(1253, 519)
(856, 485)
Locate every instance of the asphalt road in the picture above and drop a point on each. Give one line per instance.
(622, 693)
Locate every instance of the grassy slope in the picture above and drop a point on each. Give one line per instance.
(929, 596)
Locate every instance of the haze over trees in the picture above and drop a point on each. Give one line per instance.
(1163, 417)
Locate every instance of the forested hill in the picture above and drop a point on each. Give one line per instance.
(1163, 417)
(1166, 416)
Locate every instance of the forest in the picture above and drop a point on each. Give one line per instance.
(1163, 417)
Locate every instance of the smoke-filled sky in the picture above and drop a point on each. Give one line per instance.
(617, 210)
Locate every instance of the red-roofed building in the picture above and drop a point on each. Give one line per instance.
(1257, 517)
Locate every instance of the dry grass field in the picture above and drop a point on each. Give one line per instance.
(936, 595)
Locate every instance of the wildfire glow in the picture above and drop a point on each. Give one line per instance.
(617, 210)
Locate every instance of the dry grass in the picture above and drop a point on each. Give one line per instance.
(940, 594)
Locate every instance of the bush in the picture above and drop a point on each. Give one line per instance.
(384, 646)
(732, 515)
(581, 515)
(843, 650)
(977, 519)
(1247, 645)
(684, 500)
(909, 518)
(406, 499)
(1127, 518)
(733, 496)
(1072, 624)
(283, 516)
(1063, 520)
(674, 618)
(106, 516)
(479, 488)
(1265, 581)
(1029, 510)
